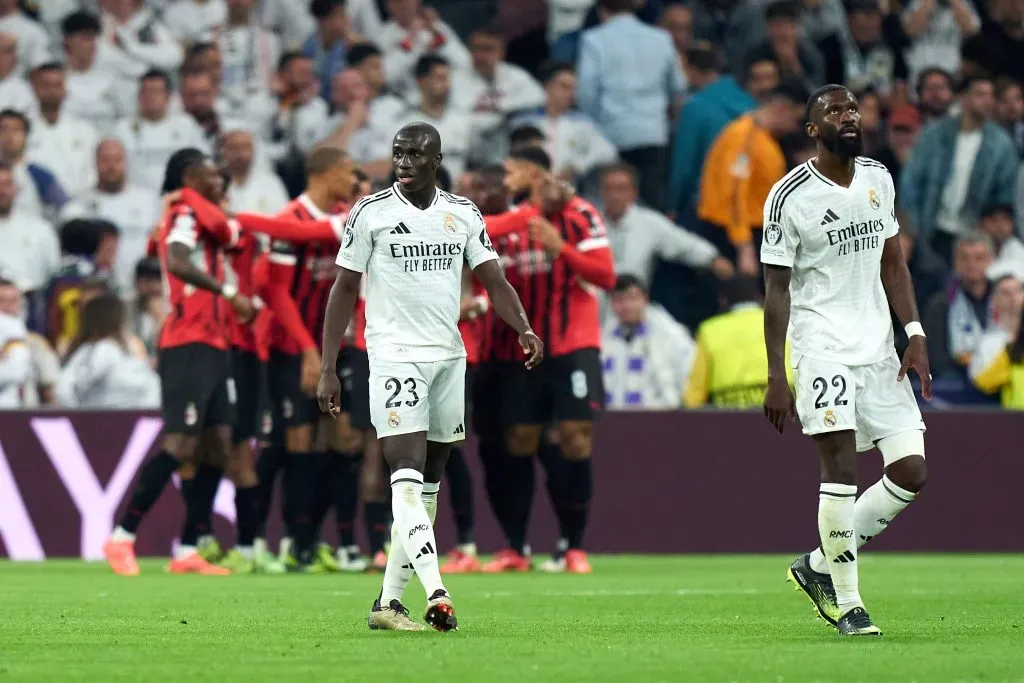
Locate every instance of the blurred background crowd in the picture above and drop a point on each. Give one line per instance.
(674, 118)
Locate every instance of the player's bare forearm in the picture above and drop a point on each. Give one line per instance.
(179, 264)
(899, 287)
(776, 318)
(503, 298)
(340, 304)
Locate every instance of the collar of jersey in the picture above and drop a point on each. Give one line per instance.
(313, 209)
(401, 198)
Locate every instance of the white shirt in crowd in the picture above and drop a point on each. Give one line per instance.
(414, 278)
(98, 98)
(572, 141)
(143, 44)
(191, 20)
(67, 148)
(151, 143)
(290, 20)
(399, 62)
(15, 360)
(839, 312)
(301, 128)
(646, 368)
(1009, 261)
(45, 371)
(262, 192)
(249, 55)
(33, 41)
(566, 16)
(955, 192)
(104, 374)
(938, 44)
(28, 200)
(372, 142)
(16, 93)
(135, 210)
(456, 132)
(490, 103)
(29, 250)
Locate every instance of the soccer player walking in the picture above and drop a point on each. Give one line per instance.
(411, 241)
(834, 266)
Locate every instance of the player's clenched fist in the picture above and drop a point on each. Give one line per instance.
(533, 347)
(779, 406)
(328, 393)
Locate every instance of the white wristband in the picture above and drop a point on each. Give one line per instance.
(913, 329)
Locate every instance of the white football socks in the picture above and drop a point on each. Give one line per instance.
(430, 499)
(839, 541)
(874, 511)
(400, 568)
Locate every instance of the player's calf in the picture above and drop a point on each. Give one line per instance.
(576, 491)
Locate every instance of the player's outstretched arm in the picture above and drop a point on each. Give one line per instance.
(779, 406)
(179, 264)
(899, 290)
(340, 304)
(507, 305)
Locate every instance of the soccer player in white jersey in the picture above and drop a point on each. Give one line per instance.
(833, 266)
(411, 241)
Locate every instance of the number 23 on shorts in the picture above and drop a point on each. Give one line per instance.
(402, 401)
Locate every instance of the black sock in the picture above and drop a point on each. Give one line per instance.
(494, 459)
(579, 484)
(302, 493)
(460, 488)
(521, 480)
(193, 512)
(346, 496)
(269, 462)
(320, 487)
(376, 515)
(554, 465)
(207, 482)
(291, 490)
(152, 480)
(247, 514)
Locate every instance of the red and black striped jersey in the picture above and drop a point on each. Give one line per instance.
(244, 260)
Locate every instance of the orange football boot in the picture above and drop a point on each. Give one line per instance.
(121, 557)
(507, 560)
(576, 562)
(193, 563)
(460, 563)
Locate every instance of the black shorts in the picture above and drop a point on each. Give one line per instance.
(486, 387)
(562, 388)
(247, 370)
(291, 406)
(354, 372)
(196, 388)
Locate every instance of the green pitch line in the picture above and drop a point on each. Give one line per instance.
(636, 619)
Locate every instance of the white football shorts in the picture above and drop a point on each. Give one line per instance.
(408, 397)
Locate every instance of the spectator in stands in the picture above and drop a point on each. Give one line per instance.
(716, 101)
(297, 121)
(38, 390)
(997, 367)
(799, 61)
(936, 28)
(15, 358)
(929, 273)
(138, 42)
(92, 92)
(957, 167)
(872, 133)
(328, 46)
(433, 78)
(761, 75)
(60, 140)
(134, 209)
(904, 126)
(32, 39)
(730, 366)
(645, 353)
(566, 17)
(629, 83)
(199, 100)
(149, 305)
(291, 21)
(349, 124)
(677, 19)
(492, 91)
(151, 137)
(250, 188)
(190, 21)
(570, 138)
(866, 55)
(997, 223)
(39, 191)
(955, 320)
(107, 368)
(741, 167)
(525, 136)
(934, 94)
(412, 32)
(29, 251)
(250, 54)
(818, 19)
(1010, 110)
(722, 23)
(997, 49)
(15, 93)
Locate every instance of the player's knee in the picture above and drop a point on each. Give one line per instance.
(299, 439)
(576, 441)
(909, 473)
(182, 447)
(523, 441)
(903, 455)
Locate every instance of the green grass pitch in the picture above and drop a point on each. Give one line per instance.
(636, 619)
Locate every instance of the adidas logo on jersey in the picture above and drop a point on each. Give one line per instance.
(459, 430)
(401, 229)
(830, 217)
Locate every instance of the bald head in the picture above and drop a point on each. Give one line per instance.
(111, 166)
(236, 149)
(422, 130)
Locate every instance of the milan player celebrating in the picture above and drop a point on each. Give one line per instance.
(411, 241)
(833, 261)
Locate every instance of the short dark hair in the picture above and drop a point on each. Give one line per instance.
(933, 71)
(704, 56)
(489, 30)
(819, 93)
(4, 282)
(180, 163)
(361, 175)
(360, 52)
(998, 209)
(532, 155)
(52, 65)
(861, 6)
(616, 6)
(969, 81)
(552, 69)
(622, 167)
(147, 267)
(321, 9)
(426, 64)
(157, 74)
(521, 135)
(79, 22)
(288, 57)
(758, 57)
(782, 9)
(627, 281)
(323, 158)
(15, 114)
(82, 236)
(491, 171)
(739, 289)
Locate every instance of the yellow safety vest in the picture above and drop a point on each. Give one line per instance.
(736, 361)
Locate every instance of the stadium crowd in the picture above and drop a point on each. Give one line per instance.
(674, 118)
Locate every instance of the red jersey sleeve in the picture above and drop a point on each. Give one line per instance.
(293, 230)
(281, 264)
(210, 219)
(516, 220)
(587, 253)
